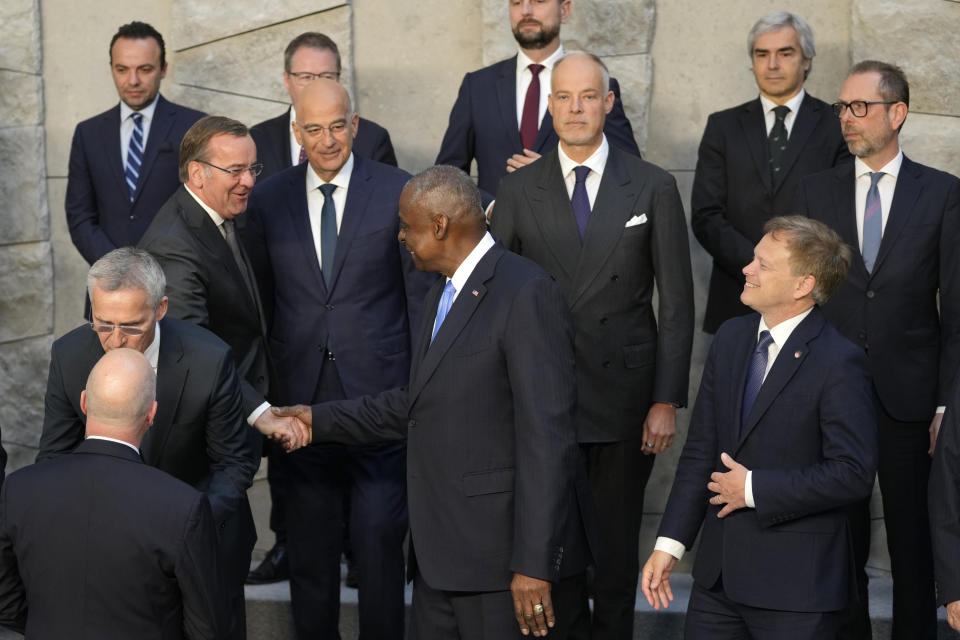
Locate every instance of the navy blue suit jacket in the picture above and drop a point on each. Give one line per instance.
(811, 442)
(100, 215)
(483, 126)
(376, 294)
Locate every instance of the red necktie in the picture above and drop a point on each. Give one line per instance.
(530, 122)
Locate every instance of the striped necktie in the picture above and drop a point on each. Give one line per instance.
(134, 155)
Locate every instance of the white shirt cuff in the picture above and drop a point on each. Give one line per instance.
(941, 409)
(253, 417)
(671, 546)
(486, 212)
(748, 491)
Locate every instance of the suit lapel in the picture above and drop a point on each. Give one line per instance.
(507, 99)
(755, 133)
(109, 134)
(171, 375)
(804, 124)
(905, 196)
(545, 134)
(281, 141)
(429, 315)
(845, 209)
(553, 213)
(354, 210)
(300, 218)
(163, 117)
(739, 364)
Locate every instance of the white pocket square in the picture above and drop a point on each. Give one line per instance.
(635, 220)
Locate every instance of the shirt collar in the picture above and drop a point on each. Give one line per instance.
(217, 219)
(342, 179)
(152, 352)
(108, 439)
(597, 160)
(464, 271)
(782, 331)
(146, 112)
(524, 61)
(892, 168)
(793, 103)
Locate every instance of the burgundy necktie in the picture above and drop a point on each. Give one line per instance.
(303, 155)
(530, 122)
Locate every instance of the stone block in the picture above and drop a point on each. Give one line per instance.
(250, 63)
(634, 73)
(932, 140)
(69, 267)
(20, 36)
(603, 27)
(23, 381)
(196, 23)
(21, 101)
(24, 215)
(922, 38)
(26, 279)
(245, 109)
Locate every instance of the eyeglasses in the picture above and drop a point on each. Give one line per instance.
(254, 169)
(304, 78)
(315, 130)
(858, 107)
(125, 329)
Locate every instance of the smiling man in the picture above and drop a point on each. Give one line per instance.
(753, 156)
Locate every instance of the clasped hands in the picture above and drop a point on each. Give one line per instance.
(291, 427)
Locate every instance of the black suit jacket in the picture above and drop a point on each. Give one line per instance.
(944, 502)
(811, 442)
(273, 143)
(97, 544)
(913, 348)
(199, 434)
(734, 194)
(99, 212)
(626, 358)
(495, 481)
(205, 287)
(483, 126)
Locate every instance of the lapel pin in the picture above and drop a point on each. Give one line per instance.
(797, 354)
(475, 292)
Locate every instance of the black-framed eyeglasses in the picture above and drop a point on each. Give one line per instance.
(316, 130)
(126, 329)
(305, 77)
(254, 169)
(858, 108)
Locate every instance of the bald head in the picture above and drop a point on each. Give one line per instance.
(325, 92)
(119, 399)
(325, 126)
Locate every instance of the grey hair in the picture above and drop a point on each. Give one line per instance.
(128, 268)
(778, 20)
(587, 54)
(448, 188)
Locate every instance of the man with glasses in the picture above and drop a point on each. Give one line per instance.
(342, 295)
(753, 156)
(901, 303)
(308, 57)
(198, 434)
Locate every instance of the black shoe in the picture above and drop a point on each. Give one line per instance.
(353, 575)
(274, 567)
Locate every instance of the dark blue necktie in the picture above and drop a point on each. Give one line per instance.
(443, 307)
(778, 139)
(758, 366)
(580, 201)
(328, 232)
(134, 155)
(872, 223)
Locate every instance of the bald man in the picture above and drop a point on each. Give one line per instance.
(343, 296)
(97, 544)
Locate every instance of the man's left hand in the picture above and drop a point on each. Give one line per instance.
(532, 605)
(730, 487)
(518, 160)
(659, 428)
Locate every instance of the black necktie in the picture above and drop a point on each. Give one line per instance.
(778, 140)
(230, 234)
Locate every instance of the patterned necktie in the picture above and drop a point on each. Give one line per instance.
(246, 272)
(443, 307)
(530, 122)
(758, 366)
(580, 200)
(872, 223)
(134, 155)
(778, 140)
(328, 232)
(303, 156)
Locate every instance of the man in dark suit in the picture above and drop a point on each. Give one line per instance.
(753, 156)
(500, 118)
(607, 225)
(97, 544)
(944, 503)
(310, 56)
(901, 303)
(342, 296)
(495, 479)
(782, 439)
(123, 162)
(199, 435)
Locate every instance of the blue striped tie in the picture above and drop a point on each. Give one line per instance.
(134, 155)
(872, 223)
(758, 367)
(443, 307)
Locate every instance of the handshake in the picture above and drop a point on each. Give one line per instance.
(291, 427)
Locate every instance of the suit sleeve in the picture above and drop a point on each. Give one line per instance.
(944, 503)
(459, 144)
(364, 420)
(538, 348)
(504, 216)
(82, 206)
(848, 435)
(675, 315)
(204, 609)
(617, 126)
(730, 249)
(13, 596)
(186, 281)
(63, 428)
(949, 291)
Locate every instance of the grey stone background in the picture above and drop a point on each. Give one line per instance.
(677, 62)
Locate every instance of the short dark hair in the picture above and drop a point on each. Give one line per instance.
(893, 84)
(815, 249)
(193, 148)
(450, 189)
(311, 39)
(138, 31)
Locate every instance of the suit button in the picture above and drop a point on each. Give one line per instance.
(329, 307)
(606, 364)
(614, 278)
(862, 335)
(412, 424)
(603, 321)
(871, 294)
(133, 217)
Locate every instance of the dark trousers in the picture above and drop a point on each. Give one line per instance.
(376, 477)
(712, 615)
(618, 474)
(903, 472)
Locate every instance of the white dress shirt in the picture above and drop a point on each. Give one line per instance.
(294, 145)
(885, 186)
(780, 334)
(315, 199)
(597, 161)
(770, 117)
(465, 270)
(108, 439)
(126, 126)
(525, 77)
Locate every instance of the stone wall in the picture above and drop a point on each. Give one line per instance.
(26, 273)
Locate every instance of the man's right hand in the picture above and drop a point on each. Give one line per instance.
(655, 579)
(302, 417)
(953, 614)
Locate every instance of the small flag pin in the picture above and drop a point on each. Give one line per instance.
(797, 354)
(475, 292)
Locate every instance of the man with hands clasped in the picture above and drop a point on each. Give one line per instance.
(782, 438)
